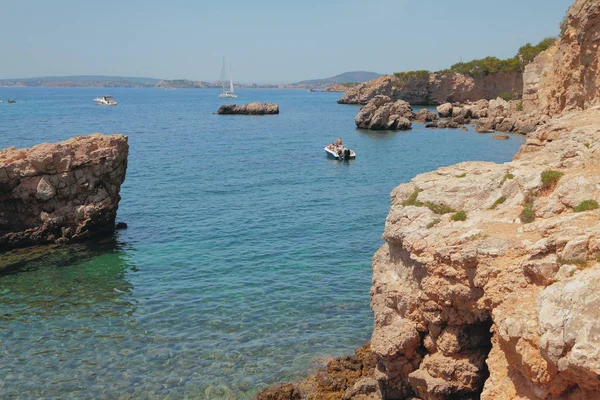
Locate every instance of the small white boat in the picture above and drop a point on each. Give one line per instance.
(105, 101)
(345, 154)
(230, 94)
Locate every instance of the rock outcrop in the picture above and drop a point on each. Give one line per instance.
(567, 75)
(254, 108)
(444, 278)
(340, 87)
(382, 113)
(436, 88)
(66, 191)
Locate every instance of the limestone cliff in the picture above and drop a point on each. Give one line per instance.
(566, 77)
(61, 192)
(459, 259)
(436, 88)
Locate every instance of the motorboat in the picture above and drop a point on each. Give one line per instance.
(341, 154)
(105, 101)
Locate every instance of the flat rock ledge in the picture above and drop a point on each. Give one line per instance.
(61, 192)
(255, 108)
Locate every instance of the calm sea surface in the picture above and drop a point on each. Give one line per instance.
(248, 252)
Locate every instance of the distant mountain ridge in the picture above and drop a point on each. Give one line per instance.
(346, 77)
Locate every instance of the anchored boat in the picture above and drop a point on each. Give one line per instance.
(105, 101)
(340, 153)
(224, 92)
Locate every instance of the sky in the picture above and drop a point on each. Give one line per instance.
(267, 41)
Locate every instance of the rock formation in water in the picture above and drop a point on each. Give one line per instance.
(254, 108)
(382, 113)
(487, 284)
(66, 191)
(493, 115)
(340, 87)
(436, 88)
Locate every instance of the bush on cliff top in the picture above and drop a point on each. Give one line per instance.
(404, 77)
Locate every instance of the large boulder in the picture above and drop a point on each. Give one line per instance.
(424, 115)
(445, 110)
(254, 108)
(66, 191)
(382, 113)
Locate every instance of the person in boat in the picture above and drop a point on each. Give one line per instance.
(337, 146)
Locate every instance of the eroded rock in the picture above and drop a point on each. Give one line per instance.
(66, 191)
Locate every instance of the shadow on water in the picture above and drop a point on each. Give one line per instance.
(50, 280)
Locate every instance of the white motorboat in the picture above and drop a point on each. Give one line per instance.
(340, 154)
(105, 101)
(231, 94)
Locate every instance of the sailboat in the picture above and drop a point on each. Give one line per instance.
(224, 92)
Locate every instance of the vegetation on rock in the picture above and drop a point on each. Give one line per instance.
(527, 215)
(586, 205)
(550, 179)
(459, 216)
(500, 200)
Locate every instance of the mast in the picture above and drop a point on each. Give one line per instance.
(230, 78)
(223, 75)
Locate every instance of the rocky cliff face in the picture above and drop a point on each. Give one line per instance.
(566, 77)
(61, 192)
(482, 301)
(436, 88)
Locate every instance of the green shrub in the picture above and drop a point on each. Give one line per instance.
(506, 96)
(527, 215)
(404, 77)
(586, 205)
(500, 200)
(461, 175)
(412, 199)
(520, 106)
(528, 52)
(550, 179)
(507, 176)
(587, 145)
(459, 216)
(433, 223)
(439, 209)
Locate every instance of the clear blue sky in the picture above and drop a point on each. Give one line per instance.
(267, 41)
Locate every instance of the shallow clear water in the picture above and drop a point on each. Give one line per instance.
(247, 255)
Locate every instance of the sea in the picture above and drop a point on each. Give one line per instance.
(247, 258)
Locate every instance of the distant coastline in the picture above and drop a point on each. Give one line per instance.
(101, 81)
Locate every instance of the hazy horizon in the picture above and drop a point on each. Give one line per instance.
(266, 41)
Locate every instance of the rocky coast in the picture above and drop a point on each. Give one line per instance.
(435, 88)
(487, 283)
(61, 192)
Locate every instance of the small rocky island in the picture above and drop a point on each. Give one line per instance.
(61, 192)
(254, 108)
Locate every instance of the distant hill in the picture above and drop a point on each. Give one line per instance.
(346, 77)
(86, 78)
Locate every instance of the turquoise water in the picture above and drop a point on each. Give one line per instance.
(247, 255)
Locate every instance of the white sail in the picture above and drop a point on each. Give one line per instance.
(224, 92)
